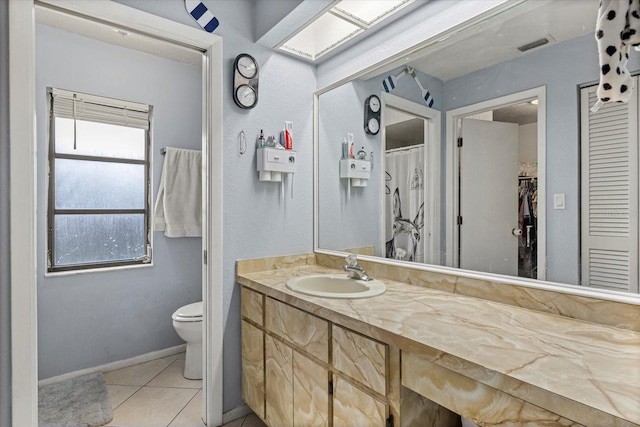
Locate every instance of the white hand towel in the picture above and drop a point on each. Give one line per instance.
(178, 210)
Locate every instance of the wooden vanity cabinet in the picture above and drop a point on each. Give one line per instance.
(253, 390)
(362, 399)
(296, 388)
(301, 370)
(253, 336)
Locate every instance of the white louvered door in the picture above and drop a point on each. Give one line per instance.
(609, 219)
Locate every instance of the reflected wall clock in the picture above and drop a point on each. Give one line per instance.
(372, 115)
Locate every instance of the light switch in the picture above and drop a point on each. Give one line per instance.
(558, 201)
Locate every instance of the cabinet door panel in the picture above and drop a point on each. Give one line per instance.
(253, 367)
(279, 383)
(361, 358)
(305, 330)
(252, 306)
(353, 407)
(310, 392)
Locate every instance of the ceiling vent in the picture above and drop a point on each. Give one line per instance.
(534, 44)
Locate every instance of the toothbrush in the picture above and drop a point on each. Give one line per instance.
(292, 174)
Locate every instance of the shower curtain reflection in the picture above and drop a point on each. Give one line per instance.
(404, 203)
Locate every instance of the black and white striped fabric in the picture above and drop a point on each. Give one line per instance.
(617, 29)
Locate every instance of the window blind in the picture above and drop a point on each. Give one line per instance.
(80, 106)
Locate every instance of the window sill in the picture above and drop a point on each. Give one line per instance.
(97, 270)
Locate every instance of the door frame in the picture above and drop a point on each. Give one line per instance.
(22, 66)
(452, 164)
(432, 142)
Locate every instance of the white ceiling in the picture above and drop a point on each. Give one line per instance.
(496, 39)
(116, 36)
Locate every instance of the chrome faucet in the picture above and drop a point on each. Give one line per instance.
(355, 271)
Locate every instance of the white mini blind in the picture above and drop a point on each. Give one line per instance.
(609, 220)
(81, 106)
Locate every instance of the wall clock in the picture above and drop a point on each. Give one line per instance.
(372, 115)
(245, 81)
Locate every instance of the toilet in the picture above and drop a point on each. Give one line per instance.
(187, 321)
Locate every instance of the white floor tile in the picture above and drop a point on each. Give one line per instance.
(253, 421)
(191, 415)
(173, 377)
(119, 393)
(139, 374)
(152, 407)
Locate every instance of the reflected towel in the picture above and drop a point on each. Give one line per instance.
(617, 29)
(178, 210)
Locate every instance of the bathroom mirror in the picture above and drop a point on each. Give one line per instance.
(482, 160)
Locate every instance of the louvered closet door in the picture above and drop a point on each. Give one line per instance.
(609, 217)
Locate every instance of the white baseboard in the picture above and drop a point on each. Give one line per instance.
(235, 413)
(116, 365)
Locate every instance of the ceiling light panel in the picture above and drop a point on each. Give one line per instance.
(370, 12)
(322, 35)
(346, 20)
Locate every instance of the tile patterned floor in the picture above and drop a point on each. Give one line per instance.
(155, 394)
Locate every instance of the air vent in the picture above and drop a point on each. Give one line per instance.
(534, 44)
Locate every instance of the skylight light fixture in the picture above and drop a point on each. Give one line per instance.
(341, 23)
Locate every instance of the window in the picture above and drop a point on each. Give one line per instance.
(99, 185)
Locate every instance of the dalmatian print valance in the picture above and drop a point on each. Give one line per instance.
(617, 29)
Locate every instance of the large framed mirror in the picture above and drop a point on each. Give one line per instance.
(489, 159)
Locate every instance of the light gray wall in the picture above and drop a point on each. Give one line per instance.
(268, 13)
(562, 68)
(528, 143)
(89, 319)
(355, 223)
(257, 223)
(425, 22)
(5, 258)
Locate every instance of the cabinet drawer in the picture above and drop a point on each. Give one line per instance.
(306, 331)
(252, 305)
(361, 358)
(354, 407)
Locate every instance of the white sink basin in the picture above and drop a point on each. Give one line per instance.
(336, 286)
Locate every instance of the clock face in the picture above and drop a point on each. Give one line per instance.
(246, 96)
(374, 103)
(247, 67)
(373, 126)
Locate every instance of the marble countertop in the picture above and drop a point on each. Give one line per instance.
(593, 365)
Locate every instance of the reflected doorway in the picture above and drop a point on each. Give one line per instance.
(411, 176)
(497, 160)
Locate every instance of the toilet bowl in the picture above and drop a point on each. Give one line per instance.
(187, 322)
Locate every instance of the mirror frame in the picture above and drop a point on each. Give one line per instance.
(381, 67)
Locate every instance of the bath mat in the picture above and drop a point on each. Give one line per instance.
(78, 402)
